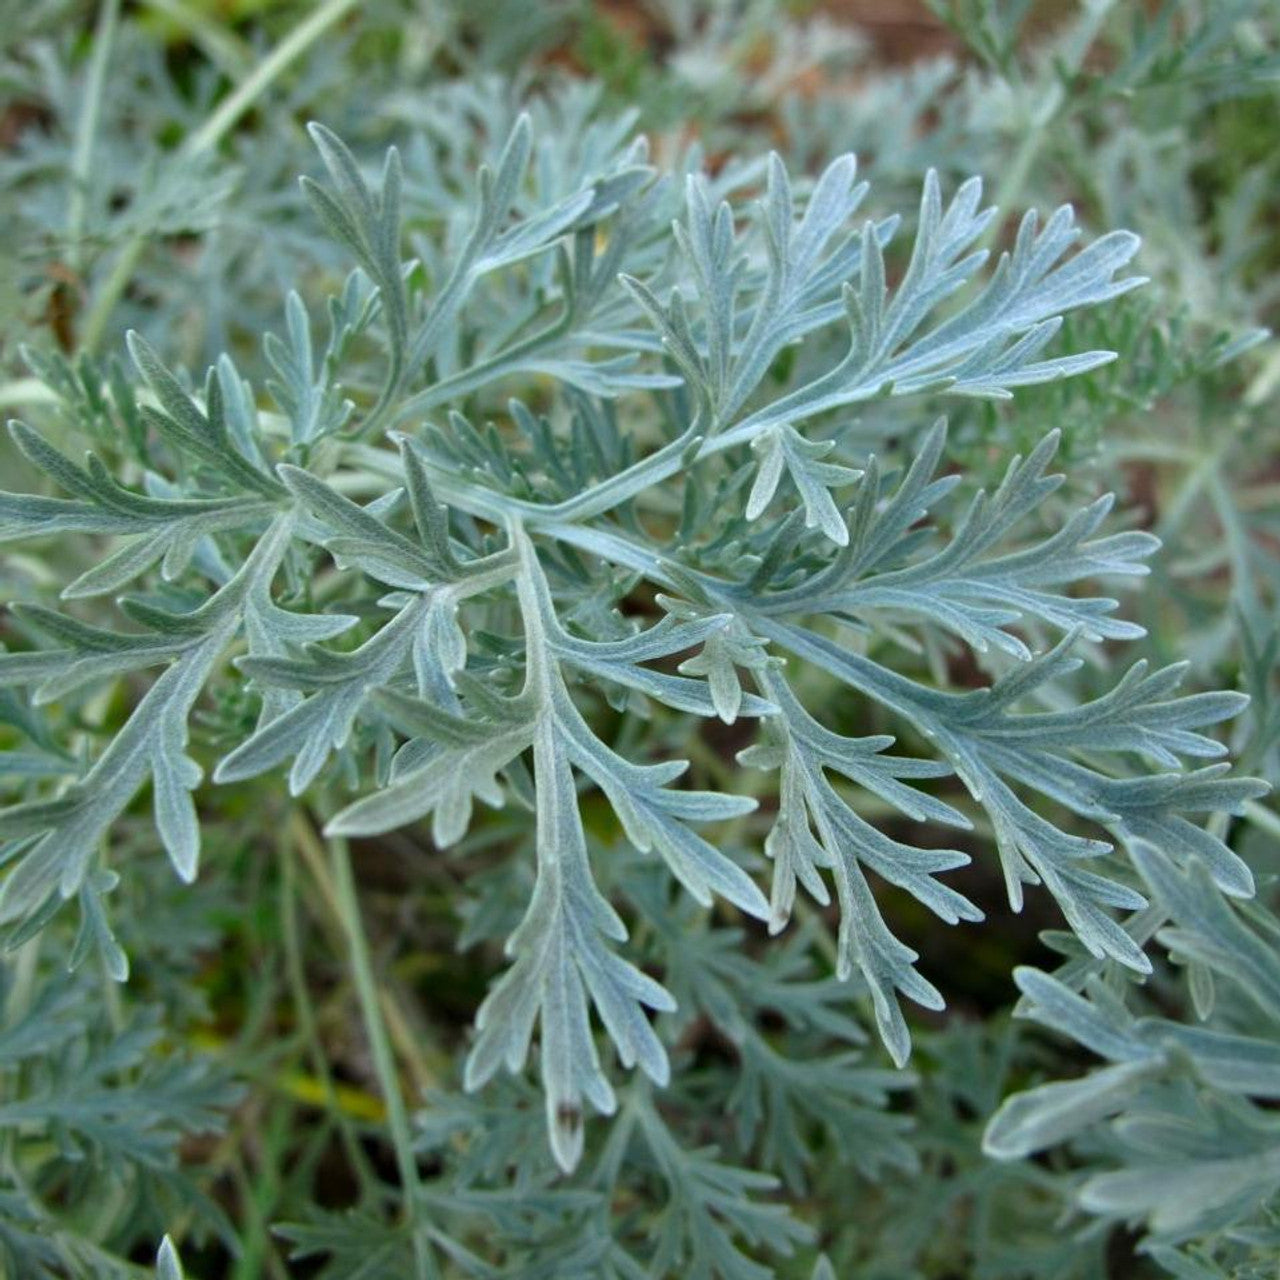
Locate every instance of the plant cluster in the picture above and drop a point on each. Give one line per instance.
(516, 649)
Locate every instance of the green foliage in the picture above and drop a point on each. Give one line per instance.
(639, 564)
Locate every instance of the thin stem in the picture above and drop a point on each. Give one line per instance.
(296, 43)
(489, 505)
(483, 371)
(427, 1068)
(112, 289)
(306, 1015)
(223, 120)
(380, 1047)
(104, 36)
(406, 1039)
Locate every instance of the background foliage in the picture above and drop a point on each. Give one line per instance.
(293, 615)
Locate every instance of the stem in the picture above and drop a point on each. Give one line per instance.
(426, 1068)
(380, 1046)
(604, 496)
(484, 371)
(306, 1014)
(104, 37)
(116, 283)
(425, 1077)
(288, 50)
(223, 120)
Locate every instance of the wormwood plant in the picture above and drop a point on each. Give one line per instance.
(615, 495)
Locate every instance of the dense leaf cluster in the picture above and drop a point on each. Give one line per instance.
(667, 558)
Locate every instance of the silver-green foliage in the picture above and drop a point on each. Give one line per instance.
(1192, 1150)
(116, 1110)
(429, 609)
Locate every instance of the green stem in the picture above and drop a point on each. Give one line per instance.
(223, 120)
(296, 43)
(104, 36)
(489, 505)
(306, 1017)
(380, 1047)
(112, 289)
(463, 383)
